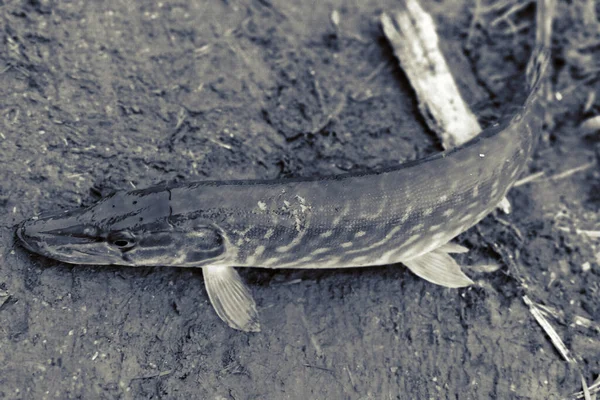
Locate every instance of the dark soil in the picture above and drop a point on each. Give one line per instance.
(104, 95)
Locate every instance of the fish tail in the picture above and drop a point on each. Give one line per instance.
(540, 57)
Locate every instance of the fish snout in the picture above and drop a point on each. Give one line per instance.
(41, 233)
(26, 238)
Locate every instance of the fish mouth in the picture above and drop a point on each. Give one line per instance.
(33, 243)
(63, 237)
(37, 233)
(71, 250)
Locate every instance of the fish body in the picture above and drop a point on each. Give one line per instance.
(404, 214)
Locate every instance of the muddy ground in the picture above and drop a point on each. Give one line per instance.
(104, 95)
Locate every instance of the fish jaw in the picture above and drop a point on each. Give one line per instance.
(53, 235)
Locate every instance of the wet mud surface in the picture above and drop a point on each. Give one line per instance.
(100, 96)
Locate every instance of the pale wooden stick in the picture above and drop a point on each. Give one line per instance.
(414, 39)
(413, 36)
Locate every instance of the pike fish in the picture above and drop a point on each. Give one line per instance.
(406, 214)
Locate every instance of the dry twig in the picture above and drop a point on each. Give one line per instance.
(414, 39)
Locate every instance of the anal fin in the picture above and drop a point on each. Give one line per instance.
(439, 268)
(452, 248)
(231, 298)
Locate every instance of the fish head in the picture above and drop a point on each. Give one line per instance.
(127, 228)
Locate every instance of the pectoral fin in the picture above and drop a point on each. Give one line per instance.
(231, 298)
(439, 268)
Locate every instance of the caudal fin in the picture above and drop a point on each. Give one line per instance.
(540, 57)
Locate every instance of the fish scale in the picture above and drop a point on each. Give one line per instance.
(405, 214)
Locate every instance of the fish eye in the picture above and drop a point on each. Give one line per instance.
(122, 240)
